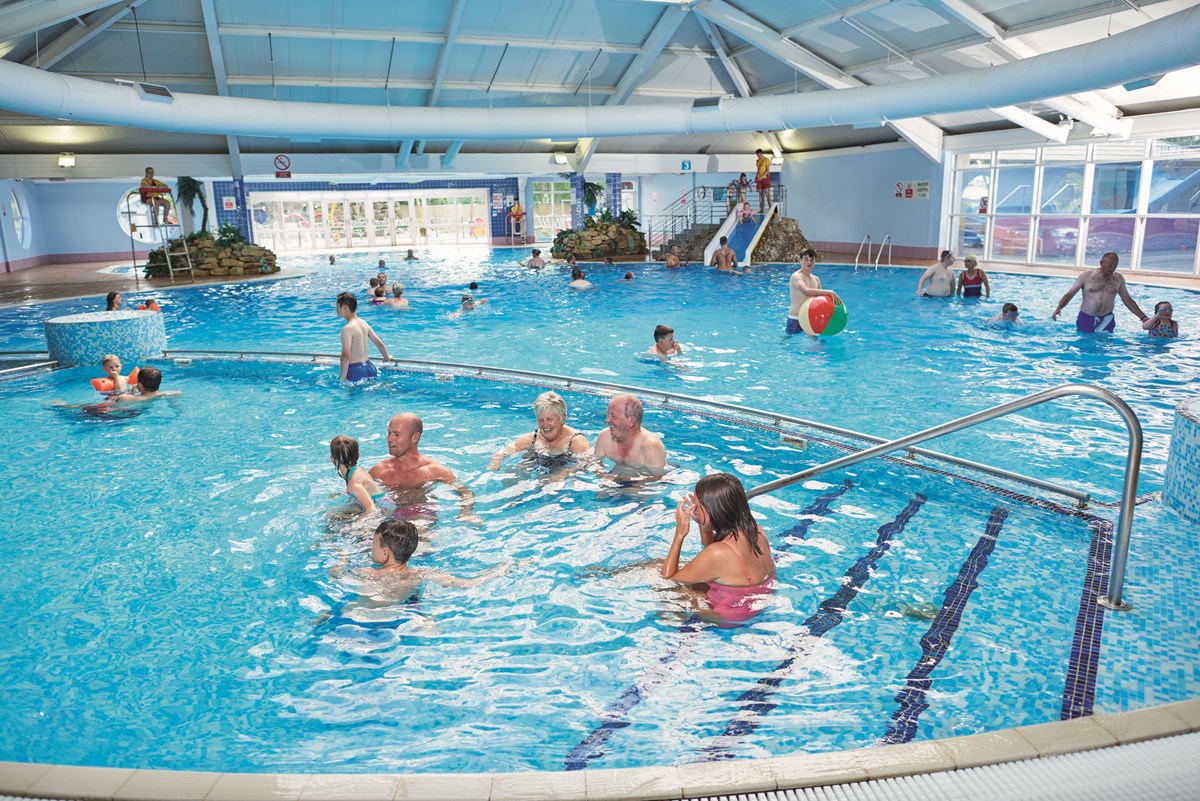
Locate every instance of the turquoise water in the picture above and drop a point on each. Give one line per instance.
(170, 584)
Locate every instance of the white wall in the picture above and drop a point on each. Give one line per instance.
(13, 254)
(839, 198)
(656, 192)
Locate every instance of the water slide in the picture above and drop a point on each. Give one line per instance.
(743, 236)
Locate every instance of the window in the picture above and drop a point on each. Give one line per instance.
(551, 208)
(1115, 188)
(20, 219)
(135, 220)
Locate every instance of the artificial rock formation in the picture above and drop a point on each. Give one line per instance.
(212, 257)
(598, 240)
(781, 242)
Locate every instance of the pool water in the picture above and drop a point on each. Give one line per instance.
(171, 570)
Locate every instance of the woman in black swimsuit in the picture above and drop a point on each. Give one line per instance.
(553, 443)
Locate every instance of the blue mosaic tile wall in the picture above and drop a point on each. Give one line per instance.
(578, 207)
(238, 189)
(1181, 486)
(612, 192)
(87, 338)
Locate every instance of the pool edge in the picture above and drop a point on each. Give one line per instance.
(1103, 730)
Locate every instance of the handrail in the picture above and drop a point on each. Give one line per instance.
(865, 241)
(417, 365)
(887, 240)
(1133, 461)
(27, 367)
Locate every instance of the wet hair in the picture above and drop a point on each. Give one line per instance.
(397, 289)
(380, 291)
(724, 498)
(348, 300)
(632, 407)
(724, 240)
(571, 258)
(110, 300)
(808, 253)
(382, 262)
(1157, 306)
(970, 261)
(344, 450)
(467, 298)
(537, 252)
(661, 331)
(628, 277)
(945, 255)
(576, 274)
(550, 401)
(374, 282)
(473, 285)
(1008, 308)
(399, 537)
(150, 378)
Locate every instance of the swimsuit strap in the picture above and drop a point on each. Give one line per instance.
(742, 564)
(350, 472)
(533, 442)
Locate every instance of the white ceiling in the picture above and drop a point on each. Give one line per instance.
(551, 53)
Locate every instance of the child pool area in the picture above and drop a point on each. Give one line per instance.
(210, 630)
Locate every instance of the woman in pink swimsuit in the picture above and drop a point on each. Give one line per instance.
(735, 568)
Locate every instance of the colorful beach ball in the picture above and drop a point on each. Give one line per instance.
(819, 317)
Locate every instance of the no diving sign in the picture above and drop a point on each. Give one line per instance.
(283, 166)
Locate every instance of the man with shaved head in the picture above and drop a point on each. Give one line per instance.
(408, 469)
(625, 442)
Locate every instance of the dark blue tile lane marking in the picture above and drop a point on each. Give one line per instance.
(756, 702)
(1079, 694)
(936, 641)
(592, 747)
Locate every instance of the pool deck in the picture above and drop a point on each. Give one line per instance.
(84, 279)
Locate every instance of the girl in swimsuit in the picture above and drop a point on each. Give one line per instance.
(1161, 324)
(553, 443)
(735, 568)
(343, 452)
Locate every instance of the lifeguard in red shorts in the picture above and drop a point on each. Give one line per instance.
(155, 194)
(762, 180)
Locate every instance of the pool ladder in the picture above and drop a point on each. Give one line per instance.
(866, 242)
(1133, 461)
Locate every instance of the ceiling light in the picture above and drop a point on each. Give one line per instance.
(777, 160)
(560, 158)
(66, 160)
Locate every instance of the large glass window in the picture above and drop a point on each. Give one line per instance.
(1014, 190)
(1115, 188)
(20, 219)
(1110, 233)
(1057, 240)
(551, 208)
(1062, 190)
(1010, 239)
(1175, 187)
(1170, 244)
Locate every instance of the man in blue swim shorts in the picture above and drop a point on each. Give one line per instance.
(355, 335)
(1101, 288)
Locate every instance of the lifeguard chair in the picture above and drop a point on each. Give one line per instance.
(153, 198)
(516, 224)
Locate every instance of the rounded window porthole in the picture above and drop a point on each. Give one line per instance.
(145, 217)
(22, 226)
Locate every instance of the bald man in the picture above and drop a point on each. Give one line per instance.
(625, 442)
(407, 468)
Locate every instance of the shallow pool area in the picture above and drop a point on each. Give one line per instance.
(183, 554)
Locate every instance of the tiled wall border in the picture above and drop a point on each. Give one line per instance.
(625, 784)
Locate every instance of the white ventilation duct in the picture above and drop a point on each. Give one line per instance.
(1154, 48)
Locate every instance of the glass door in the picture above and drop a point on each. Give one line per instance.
(335, 224)
(551, 208)
(402, 222)
(297, 225)
(358, 223)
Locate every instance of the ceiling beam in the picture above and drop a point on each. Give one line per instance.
(736, 75)
(439, 74)
(404, 154)
(218, 64)
(97, 22)
(652, 48)
(22, 19)
(921, 133)
(451, 153)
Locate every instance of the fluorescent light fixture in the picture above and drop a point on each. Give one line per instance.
(66, 160)
(1142, 83)
(560, 158)
(777, 160)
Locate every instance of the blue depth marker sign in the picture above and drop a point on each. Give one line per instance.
(686, 166)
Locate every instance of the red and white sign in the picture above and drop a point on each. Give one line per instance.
(283, 163)
(899, 189)
(283, 173)
(229, 203)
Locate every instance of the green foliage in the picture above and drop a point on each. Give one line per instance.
(228, 234)
(591, 193)
(187, 191)
(628, 218)
(196, 236)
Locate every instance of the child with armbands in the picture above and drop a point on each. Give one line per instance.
(343, 452)
(1161, 324)
(114, 383)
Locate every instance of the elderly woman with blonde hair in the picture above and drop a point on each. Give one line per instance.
(553, 443)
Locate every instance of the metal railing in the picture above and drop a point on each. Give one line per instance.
(887, 240)
(701, 206)
(866, 242)
(1133, 461)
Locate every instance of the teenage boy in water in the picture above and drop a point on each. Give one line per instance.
(355, 335)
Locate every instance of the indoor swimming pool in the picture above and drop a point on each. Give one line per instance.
(177, 570)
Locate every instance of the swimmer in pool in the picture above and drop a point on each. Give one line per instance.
(1101, 288)
(112, 301)
(553, 443)
(112, 369)
(972, 281)
(664, 346)
(938, 280)
(470, 303)
(1160, 323)
(149, 381)
(578, 280)
(1009, 315)
(409, 469)
(355, 335)
(734, 569)
(392, 547)
(536, 262)
(724, 259)
(343, 452)
(398, 301)
(380, 296)
(625, 442)
(805, 284)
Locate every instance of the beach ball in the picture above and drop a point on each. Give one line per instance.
(820, 317)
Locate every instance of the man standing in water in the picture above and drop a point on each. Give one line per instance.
(724, 259)
(1100, 290)
(625, 441)
(409, 469)
(938, 280)
(355, 335)
(803, 285)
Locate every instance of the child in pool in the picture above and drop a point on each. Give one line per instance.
(1161, 324)
(1008, 314)
(343, 452)
(112, 369)
(380, 296)
(393, 545)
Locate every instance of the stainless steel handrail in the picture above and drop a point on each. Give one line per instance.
(866, 240)
(568, 382)
(1133, 461)
(27, 367)
(887, 240)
